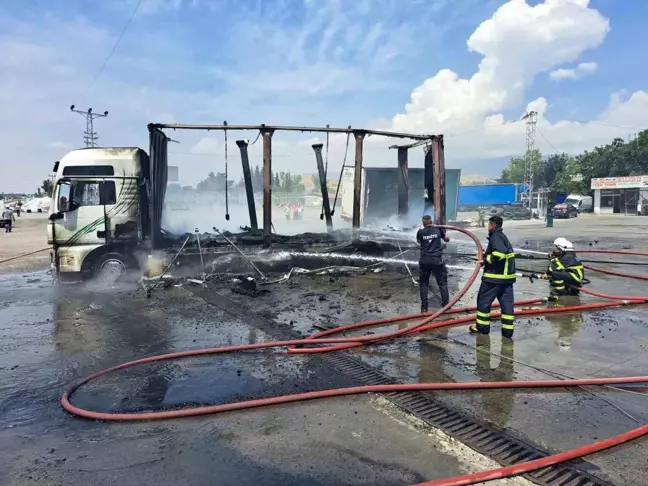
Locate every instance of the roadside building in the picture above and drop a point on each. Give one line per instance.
(621, 195)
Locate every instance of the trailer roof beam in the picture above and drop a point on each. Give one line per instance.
(265, 128)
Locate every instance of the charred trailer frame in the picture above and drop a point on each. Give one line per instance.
(159, 164)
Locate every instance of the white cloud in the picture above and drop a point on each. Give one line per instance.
(518, 43)
(580, 71)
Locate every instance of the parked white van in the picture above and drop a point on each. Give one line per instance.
(584, 204)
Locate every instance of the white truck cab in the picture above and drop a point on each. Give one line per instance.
(96, 223)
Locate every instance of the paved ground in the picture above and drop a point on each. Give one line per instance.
(50, 337)
(601, 343)
(28, 234)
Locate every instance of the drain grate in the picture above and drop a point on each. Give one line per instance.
(478, 435)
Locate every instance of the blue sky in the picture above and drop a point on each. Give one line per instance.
(412, 65)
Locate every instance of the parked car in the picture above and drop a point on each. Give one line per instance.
(565, 210)
(584, 204)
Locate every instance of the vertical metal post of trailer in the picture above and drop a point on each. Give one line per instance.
(403, 182)
(247, 179)
(359, 136)
(438, 164)
(267, 186)
(428, 182)
(317, 148)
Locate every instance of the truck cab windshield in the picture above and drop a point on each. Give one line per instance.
(87, 193)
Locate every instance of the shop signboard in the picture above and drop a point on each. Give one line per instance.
(628, 182)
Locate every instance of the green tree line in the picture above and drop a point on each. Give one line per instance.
(572, 174)
(281, 182)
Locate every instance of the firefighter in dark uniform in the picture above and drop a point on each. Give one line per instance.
(431, 262)
(497, 281)
(565, 272)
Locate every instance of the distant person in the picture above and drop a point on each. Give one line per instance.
(287, 212)
(8, 214)
(295, 211)
(565, 272)
(497, 281)
(300, 211)
(431, 262)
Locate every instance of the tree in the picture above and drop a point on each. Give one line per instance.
(564, 173)
(214, 183)
(298, 185)
(316, 183)
(257, 179)
(48, 187)
(514, 173)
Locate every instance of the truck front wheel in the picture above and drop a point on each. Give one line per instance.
(111, 267)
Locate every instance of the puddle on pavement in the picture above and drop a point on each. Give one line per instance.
(204, 380)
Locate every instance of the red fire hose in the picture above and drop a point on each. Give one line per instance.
(616, 272)
(297, 346)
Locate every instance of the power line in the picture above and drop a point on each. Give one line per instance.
(545, 139)
(601, 124)
(114, 48)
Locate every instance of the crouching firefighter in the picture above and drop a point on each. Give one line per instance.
(565, 272)
(497, 281)
(431, 239)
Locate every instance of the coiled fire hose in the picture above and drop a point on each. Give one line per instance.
(308, 345)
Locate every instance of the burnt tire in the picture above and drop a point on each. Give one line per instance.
(111, 268)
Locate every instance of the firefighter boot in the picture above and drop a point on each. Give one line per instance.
(479, 329)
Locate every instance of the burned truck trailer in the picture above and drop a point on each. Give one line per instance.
(106, 213)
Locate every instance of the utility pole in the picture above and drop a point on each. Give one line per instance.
(531, 118)
(89, 136)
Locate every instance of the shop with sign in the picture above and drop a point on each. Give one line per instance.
(621, 195)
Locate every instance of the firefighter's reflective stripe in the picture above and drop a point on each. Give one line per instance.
(483, 318)
(499, 276)
(558, 284)
(577, 272)
(508, 321)
(500, 256)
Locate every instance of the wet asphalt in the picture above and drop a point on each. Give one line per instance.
(50, 337)
(585, 344)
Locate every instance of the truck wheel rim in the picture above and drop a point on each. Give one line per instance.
(112, 270)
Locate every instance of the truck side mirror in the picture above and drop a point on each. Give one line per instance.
(64, 199)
